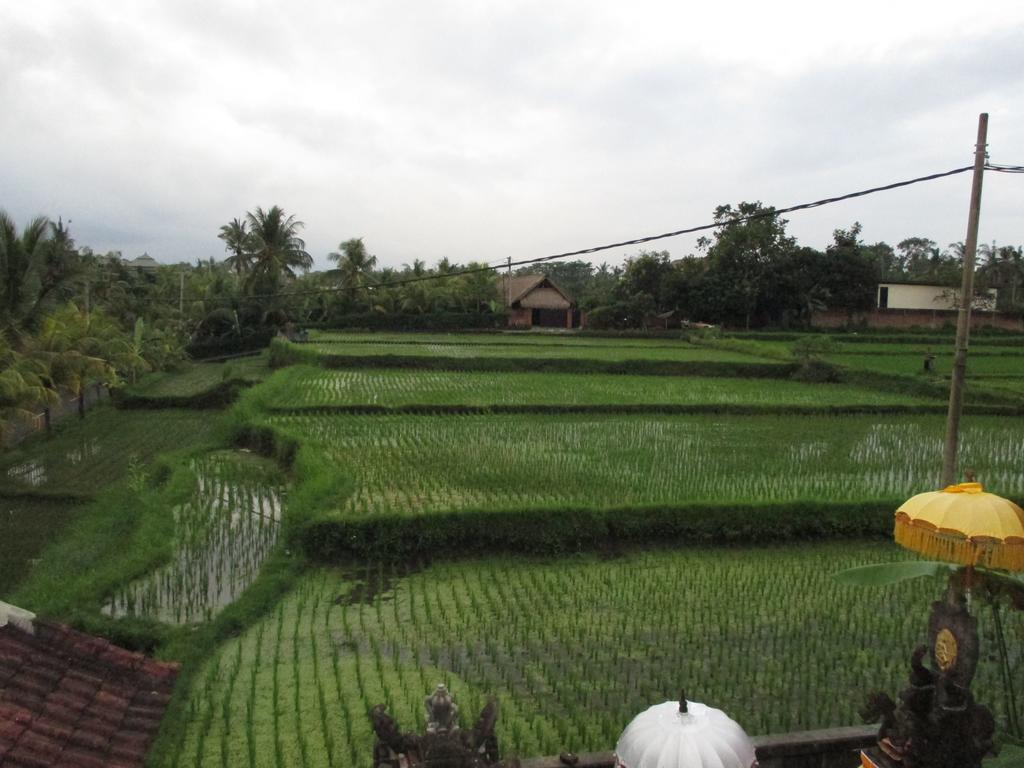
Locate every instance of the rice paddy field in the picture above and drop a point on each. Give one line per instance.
(84, 455)
(912, 363)
(572, 649)
(223, 533)
(412, 465)
(624, 350)
(306, 387)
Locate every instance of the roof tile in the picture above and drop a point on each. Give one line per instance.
(70, 699)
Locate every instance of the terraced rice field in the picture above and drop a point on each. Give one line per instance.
(675, 352)
(573, 650)
(416, 465)
(85, 455)
(223, 533)
(309, 387)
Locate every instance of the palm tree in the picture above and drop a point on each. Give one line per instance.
(275, 247)
(37, 268)
(236, 241)
(355, 265)
(22, 384)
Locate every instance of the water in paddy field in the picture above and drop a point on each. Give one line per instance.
(223, 535)
(31, 473)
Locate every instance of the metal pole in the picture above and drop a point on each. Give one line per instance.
(963, 323)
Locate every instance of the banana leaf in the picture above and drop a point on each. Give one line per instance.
(883, 574)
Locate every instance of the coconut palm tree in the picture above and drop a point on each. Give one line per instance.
(22, 383)
(37, 269)
(275, 248)
(355, 265)
(236, 242)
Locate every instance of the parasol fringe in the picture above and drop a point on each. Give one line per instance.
(957, 549)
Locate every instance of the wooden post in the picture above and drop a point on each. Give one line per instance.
(963, 323)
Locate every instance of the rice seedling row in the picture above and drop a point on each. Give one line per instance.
(572, 649)
(223, 533)
(310, 387)
(421, 465)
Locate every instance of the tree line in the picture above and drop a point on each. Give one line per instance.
(752, 273)
(69, 316)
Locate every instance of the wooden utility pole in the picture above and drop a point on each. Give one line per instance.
(181, 294)
(963, 321)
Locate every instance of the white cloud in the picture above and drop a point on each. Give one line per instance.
(507, 128)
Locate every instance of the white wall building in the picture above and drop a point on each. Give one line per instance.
(922, 296)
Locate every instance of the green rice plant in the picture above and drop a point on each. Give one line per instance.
(575, 648)
(222, 535)
(412, 466)
(306, 387)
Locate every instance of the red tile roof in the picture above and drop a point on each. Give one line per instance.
(75, 700)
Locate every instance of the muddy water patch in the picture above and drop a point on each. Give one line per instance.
(223, 534)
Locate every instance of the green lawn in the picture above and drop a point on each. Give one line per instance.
(416, 465)
(572, 648)
(310, 387)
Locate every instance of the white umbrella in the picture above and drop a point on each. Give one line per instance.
(684, 735)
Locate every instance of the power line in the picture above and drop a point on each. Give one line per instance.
(770, 213)
(999, 168)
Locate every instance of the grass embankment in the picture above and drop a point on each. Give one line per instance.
(572, 648)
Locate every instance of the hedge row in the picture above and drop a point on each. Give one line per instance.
(203, 349)
(557, 530)
(434, 321)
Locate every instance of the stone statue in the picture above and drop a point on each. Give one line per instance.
(937, 723)
(442, 712)
(444, 745)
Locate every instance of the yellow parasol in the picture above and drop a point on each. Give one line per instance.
(963, 524)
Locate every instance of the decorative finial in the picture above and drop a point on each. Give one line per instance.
(682, 702)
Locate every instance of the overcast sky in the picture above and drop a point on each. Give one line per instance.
(481, 129)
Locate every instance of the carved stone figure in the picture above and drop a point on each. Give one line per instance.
(444, 745)
(937, 723)
(442, 712)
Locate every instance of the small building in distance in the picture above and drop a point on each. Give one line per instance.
(929, 297)
(920, 305)
(533, 301)
(143, 263)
